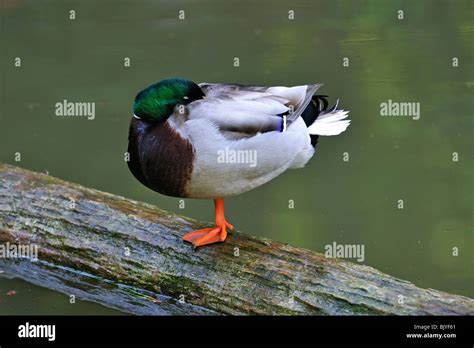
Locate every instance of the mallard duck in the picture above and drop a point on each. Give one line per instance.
(211, 141)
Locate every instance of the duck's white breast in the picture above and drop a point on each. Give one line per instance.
(224, 167)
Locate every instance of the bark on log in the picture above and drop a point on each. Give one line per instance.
(83, 236)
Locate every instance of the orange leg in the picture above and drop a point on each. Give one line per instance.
(214, 234)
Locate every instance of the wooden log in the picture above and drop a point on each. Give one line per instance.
(129, 256)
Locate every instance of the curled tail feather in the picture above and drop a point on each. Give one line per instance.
(323, 121)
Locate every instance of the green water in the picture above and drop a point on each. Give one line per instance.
(352, 202)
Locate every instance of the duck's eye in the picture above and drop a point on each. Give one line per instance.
(185, 97)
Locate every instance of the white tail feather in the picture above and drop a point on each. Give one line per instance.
(332, 123)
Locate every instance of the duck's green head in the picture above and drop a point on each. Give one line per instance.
(157, 102)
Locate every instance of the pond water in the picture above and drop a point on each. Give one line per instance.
(400, 186)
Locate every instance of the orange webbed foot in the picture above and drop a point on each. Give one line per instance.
(206, 236)
(213, 234)
(192, 236)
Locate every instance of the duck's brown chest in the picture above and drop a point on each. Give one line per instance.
(159, 157)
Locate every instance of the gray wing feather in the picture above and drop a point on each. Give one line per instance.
(251, 109)
(309, 95)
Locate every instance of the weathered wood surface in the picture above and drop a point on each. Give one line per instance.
(84, 236)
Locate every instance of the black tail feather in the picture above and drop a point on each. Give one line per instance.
(316, 107)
